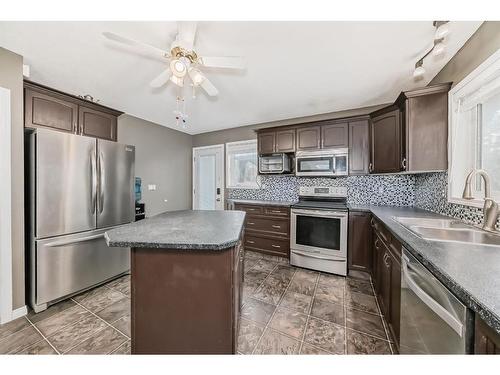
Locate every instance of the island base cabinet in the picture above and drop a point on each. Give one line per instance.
(185, 301)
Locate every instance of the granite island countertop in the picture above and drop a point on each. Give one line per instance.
(187, 229)
(471, 272)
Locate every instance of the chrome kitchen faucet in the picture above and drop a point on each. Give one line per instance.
(490, 208)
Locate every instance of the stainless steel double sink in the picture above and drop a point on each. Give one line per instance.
(448, 230)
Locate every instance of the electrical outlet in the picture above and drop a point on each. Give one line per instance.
(381, 190)
(152, 187)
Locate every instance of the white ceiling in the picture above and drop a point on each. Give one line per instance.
(294, 69)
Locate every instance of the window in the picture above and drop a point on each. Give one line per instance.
(475, 131)
(241, 165)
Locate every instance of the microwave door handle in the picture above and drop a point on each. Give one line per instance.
(334, 164)
(431, 303)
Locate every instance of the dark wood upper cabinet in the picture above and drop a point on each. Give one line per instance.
(49, 108)
(486, 340)
(335, 135)
(385, 138)
(285, 140)
(97, 124)
(266, 142)
(359, 147)
(412, 134)
(309, 138)
(359, 255)
(425, 118)
(49, 111)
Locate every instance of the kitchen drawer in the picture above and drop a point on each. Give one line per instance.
(382, 231)
(249, 209)
(271, 225)
(268, 245)
(277, 211)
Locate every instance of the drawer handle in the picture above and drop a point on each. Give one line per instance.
(276, 226)
(276, 246)
(251, 209)
(251, 223)
(276, 212)
(249, 241)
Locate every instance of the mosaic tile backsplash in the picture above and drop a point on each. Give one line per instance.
(392, 190)
(431, 194)
(427, 191)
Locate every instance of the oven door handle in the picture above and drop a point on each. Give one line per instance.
(319, 213)
(316, 256)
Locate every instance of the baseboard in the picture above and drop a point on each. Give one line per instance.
(17, 313)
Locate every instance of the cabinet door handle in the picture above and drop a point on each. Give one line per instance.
(276, 212)
(251, 223)
(370, 167)
(276, 246)
(372, 222)
(386, 260)
(250, 242)
(276, 226)
(377, 243)
(403, 164)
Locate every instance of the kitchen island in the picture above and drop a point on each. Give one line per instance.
(186, 277)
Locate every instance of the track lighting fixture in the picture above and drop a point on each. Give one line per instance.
(438, 48)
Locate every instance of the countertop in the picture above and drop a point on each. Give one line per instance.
(471, 272)
(187, 229)
(263, 203)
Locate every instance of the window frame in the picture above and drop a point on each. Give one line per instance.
(479, 77)
(229, 147)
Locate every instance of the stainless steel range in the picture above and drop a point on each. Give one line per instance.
(318, 238)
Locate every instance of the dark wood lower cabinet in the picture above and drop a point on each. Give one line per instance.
(386, 276)
(267, 229)
(486, 340)
(186, 301)
(359, 256)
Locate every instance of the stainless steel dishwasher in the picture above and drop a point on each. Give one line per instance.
(433, 320)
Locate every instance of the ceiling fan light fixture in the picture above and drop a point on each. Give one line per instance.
(179, 81)
(439, 47)
(419, 70)
(442, 29)
(196, 76)
(178, 68)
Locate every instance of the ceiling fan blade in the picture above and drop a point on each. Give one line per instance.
(209, 87)
(161, 79)
(227, 62)
(187, 33)
(133, 43)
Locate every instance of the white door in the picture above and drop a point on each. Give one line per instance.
(208, 178)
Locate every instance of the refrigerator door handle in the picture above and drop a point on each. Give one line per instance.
(102, 181)
(93, 171)
(78, 240)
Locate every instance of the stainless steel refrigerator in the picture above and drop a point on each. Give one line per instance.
(77, 188)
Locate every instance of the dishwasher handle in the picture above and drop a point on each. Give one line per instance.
(431, 303)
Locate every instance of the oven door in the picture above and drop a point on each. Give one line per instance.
(315, 165)
(320, 233)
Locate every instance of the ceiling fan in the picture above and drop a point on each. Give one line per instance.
(183, 60)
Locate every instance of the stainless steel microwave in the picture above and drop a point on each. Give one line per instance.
(274, 163)
(322, 163)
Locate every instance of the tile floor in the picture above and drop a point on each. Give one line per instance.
(286, 310)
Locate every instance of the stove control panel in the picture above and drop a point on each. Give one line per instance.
(322, 191)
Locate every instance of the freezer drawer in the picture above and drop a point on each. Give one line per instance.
(68, 264)
(62, 182)
(116, 169)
